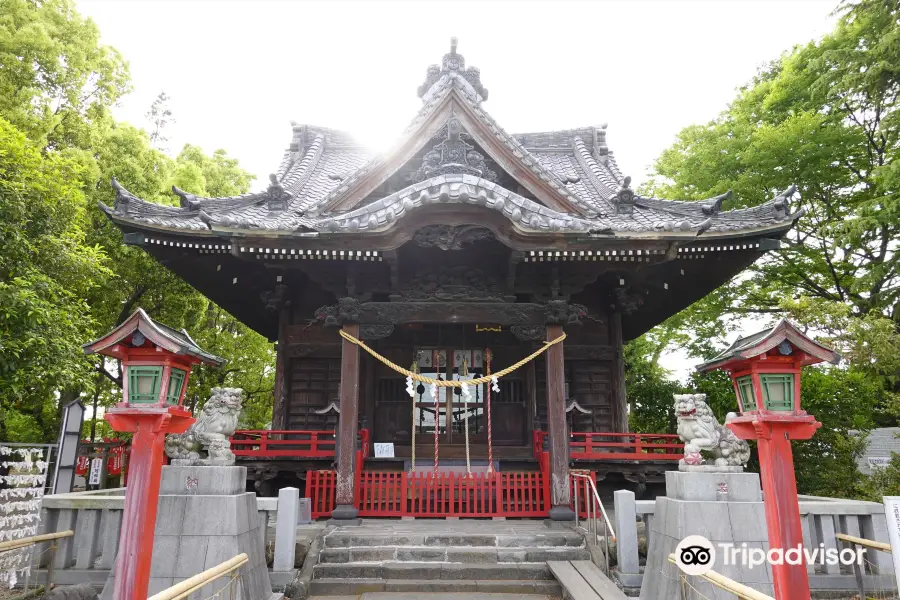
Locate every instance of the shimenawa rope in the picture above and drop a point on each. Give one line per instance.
(451, 382)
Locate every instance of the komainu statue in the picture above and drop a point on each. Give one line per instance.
(699, 430)
(206, 441)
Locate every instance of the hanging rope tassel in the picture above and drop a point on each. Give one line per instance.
(436, 361)
(411, 389)
(465, 397)
(487, 362)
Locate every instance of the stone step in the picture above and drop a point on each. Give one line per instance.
(336, 586)
(432, 571)
(343, 539)
(453, 554)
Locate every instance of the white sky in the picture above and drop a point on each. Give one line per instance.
(239, 72)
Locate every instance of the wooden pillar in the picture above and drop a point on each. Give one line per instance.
(619, 398)
(556, 426)
(347, 426)
(282, 371)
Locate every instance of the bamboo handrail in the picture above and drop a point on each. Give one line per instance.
(730, 585)
(35, 539)
(192, 584)
(864, 542)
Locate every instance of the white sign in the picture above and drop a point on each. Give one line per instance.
(892, 513)
(96, 467)
(384, 450)
(879, 461)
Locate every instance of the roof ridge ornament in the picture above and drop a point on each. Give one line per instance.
(276, 196)
(782, 202)
(453, 63)
(453, 155)
(625, 198)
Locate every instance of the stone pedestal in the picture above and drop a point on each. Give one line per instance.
(725, 508)
(205, 518)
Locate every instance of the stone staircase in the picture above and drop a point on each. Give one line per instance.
(444, 556)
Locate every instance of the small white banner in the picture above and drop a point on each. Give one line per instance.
(892, 513)
(384, 450)
(96, 467)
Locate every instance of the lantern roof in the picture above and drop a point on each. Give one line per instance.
(757, 344)
(168, 338)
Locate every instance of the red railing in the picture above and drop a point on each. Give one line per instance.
(401, 494)
(282, 443)
(320, 486)
(289, 443)
(617, 446)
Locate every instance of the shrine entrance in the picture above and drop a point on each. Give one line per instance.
(399, 419)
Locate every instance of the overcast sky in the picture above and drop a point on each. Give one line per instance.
(239, 72)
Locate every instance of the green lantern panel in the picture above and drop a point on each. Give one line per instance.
(176, 381)
(143, 384)
(778, 392)
(745, 389)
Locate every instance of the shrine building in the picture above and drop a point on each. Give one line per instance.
(463, 248)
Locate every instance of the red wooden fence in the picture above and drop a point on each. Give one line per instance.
(320, 491)
(400, 494)
(282, 443)
(618, 446)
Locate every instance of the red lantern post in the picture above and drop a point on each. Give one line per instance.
(156, 364)
(765, 368)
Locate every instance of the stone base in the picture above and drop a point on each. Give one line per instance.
(205, 518)
(344, 512)
(709, 468)
(562, 513)
(695, 504)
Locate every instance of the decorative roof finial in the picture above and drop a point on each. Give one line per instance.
(277, 197)
(600, 140)
(625, 198)
(453, 63)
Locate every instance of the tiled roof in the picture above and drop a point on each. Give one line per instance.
(762, 341)
(321, 166)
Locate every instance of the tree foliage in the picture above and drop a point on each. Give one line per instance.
(823, 116)
(65, 275)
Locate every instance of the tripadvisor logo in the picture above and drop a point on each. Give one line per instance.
(696, 555)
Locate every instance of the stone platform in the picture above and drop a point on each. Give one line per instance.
(723, 507)
(205, 518)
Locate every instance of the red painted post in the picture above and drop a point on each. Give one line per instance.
(772, 415)
(150, 426)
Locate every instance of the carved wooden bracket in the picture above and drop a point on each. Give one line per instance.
(375, 332)
(528, 333)
(627, 300)
(560, 312)
(336, 315)
(275, 300)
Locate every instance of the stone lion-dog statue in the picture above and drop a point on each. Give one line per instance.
(206, 441)
(699, 430)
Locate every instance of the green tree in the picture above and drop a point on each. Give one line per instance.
(55, 76)
(65, 275)
(46, 270)
(823, 116)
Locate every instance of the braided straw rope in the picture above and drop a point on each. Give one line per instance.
(451, 382)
